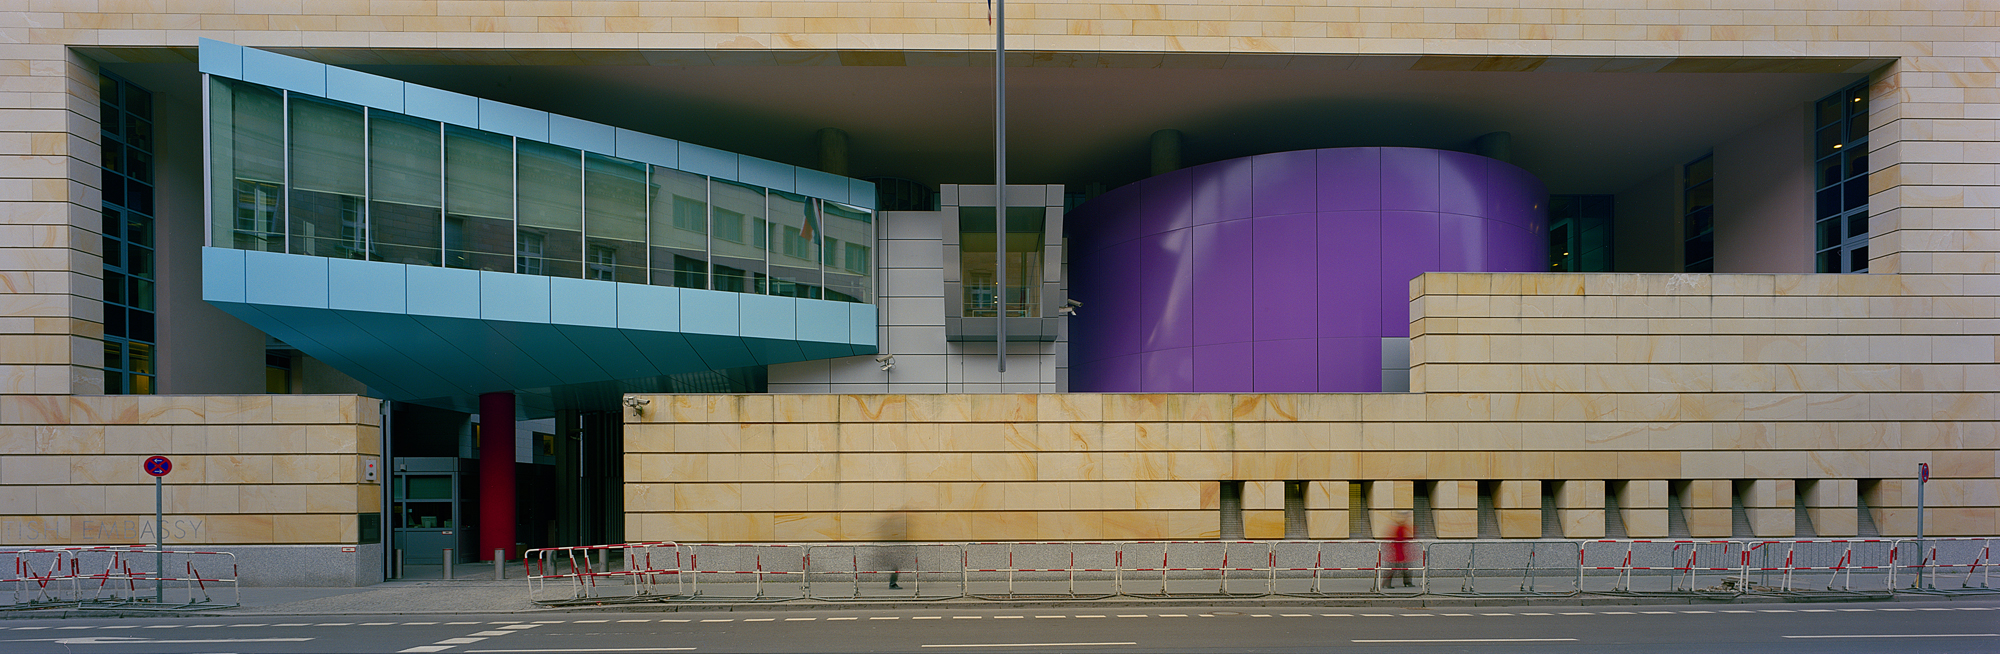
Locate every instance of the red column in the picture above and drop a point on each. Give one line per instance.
(496, 474)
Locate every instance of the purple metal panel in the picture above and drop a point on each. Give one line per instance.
(1349, 300)
(1222, 282)
(1282, 183)
(1285, 284)
(1222, 191)
(1462, 183)
(1167, 300)
(1221, 368)
(1409, 179)
(1409, 248)
(1166, 202)
(1350, 365)
(1461, 243)
(1167, 371)
(1350, 179)
(1286, 366)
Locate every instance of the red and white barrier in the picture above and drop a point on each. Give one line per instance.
(121, 576)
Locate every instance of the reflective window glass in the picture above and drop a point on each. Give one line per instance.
(478, 200)
(551, 202)
(679, 234)
(614, 220)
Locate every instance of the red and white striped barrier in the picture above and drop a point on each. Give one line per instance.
(121, 576)
(588, 571)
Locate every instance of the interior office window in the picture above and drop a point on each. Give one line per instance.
(478, 199)
(328, 142)
(678, 246)
(1698, 215)
(1020, 292)
(247, 162)
(528, 253)
(127, 231)
(405, 178)
(1840, 199)
(614, 219)
(277, 374)
(551, 202)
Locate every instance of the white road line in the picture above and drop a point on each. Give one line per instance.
(928, 617)
(800, 619)
(1467, 640)
(1035, 644)
(348, 624)
(489, 634)
(162, 626)
(1697, 611)
(965, 617)
(1099, 616)
(73, 628)
(266, 625)
(531, 626)
(406, 624)
(1624, 612)
(342, 624)
(1776, 611)
(1579, 613)
(1818, 611)
(833, 619)
(1852, 610)
(586, 649)
(673, 620)
(1899, 636)
(204, 626)
(1899, 609)
(1378, 615)
(721, 620)
(1173, 615)
(1933, 609)
(364, 624)
(1971, 608)
(1654, 612)
(127, 626)
(1051, 617)
(506, 621)
(550, 621)
(887, 617)
(1458, 615)
(745, 620)
(635, 620)
(1129, 615)
(458, 641)
(28, 628)
(425, 648)
(591, 621)
(1534, 614)
(1496, 614)
(1008, 617)
(1739, 611)
(1292, 615)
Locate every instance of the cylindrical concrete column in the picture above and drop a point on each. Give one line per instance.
(1166, 150)
(1495, 145)
(496, 473)
(833, 151)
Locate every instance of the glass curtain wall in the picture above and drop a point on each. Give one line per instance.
(679, 233)
(305, 175)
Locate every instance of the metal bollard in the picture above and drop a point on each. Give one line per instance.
(499, 564)
(600, 560)
(397, 569)
(448, 560)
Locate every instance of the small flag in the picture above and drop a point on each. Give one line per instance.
(989, 12)
(811, 231)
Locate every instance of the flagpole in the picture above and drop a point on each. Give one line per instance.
(1000, 176)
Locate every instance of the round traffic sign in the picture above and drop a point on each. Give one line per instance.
(159, 466)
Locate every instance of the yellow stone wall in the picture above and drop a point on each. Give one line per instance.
(1644, 381)
(248, 469)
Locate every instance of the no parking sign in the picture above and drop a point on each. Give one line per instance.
(158, 466)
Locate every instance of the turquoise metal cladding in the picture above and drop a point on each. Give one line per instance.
(418, 333)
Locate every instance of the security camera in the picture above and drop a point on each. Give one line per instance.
(888, 361)
(1069, 308)
(637, 405)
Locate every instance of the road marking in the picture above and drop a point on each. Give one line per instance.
(1458, 615)
(581, 649)
(531, 626)
(364, 624)
(1899, 609)
(1254, 615)
(591, 621)
(407, 624)
(1377, 615)
(1899, 636)
(745, 620)
(1035, 644)
(458, 641)
(550, 621)
(673, 620)
(161, 626)
(1628, 612)
(965, 617)
(1776, 611)
(1818, 610)
(833, 619)
(128, 626)
(1099, 616)
(1657, 612)
(1579, 613)
(342, 624)
(1173, 615)
(1051, 617)
(721, 620)
(886, 617)
(347, 624)
(1705, 611)
(928, 617)
(1933, 609)
(266, 625)
(203, 626)
(1739, 611)
(1852, 610)
(1008, 617)
(800, 619)
(1497, 614)
(635, 620)
(425, 648)
(1468, 640)
(1973, 608)
(1128, 615)
(1534, 614)
(489, 634)
(82, 627)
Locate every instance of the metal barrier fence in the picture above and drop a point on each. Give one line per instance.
(598, 572)
(1187, 569)
(120, 577)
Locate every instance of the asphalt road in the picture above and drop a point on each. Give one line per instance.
(1963, 626)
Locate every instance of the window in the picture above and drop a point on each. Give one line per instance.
(602, 264)
(127, 232)
(528, 253)
(1840, 180)
(1698, 215)
(1580, 233)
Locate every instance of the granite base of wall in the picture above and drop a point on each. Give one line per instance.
(307, 565)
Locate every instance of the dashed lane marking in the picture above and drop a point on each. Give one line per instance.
(966, 617)
(1123, 615)
(748, 619)
(721, 620)
(800, 619)
(1008, 617)
(1467, 640)
(928, 617)
(1292, 615)
(1578, 613)
(887, 617)
(834, 619)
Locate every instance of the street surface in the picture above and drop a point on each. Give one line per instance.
(1961, 626)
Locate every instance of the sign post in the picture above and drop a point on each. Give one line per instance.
(1923, 553)
(158, 467)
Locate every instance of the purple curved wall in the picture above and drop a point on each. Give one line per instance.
(1283, 272)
